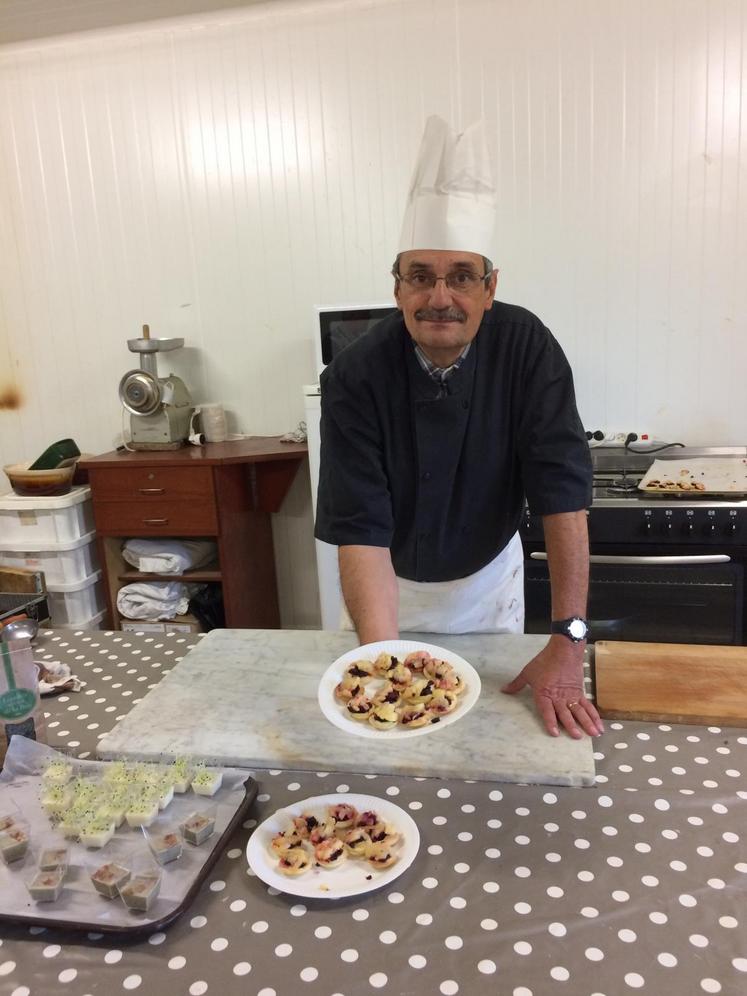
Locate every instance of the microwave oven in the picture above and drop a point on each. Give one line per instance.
(336, 326)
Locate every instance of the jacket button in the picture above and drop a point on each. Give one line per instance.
(426, 476)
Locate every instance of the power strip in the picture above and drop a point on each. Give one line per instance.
(617, 439)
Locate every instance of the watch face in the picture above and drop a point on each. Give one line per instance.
(577, 629)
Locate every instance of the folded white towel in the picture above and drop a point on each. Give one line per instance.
(167, 556)
(155, 599)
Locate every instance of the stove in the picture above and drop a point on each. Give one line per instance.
(665, 567)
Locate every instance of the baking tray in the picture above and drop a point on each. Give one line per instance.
(697, 477)
(80, 907)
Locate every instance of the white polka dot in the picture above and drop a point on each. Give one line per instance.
(559, 973)
(585, 875)
(490, 887)
(454, 943)
(260, 926)
(218, 885)
(710, 985)
(495, 796)
(349, 954)
(628, 936)
(589, 911)
(20, 990)
(198, 988)
(439, 821)
(522, 872)
(464, 836)
(430, 883)
(360, 915)
(557, 929)
(378, 980)
(237, 905)
(198, 921)
(457, 902)
(242, 968)
(112, 957)
(435, 849)
(555, 892)
(415, 805)
(309, 974)
(417, 961)
(658, 918)
(178, 961)
(340, 788)
(489, 924)
(392, 790)
(448, 987)
(688, 900)
(298, 910)
(487, 967)
(523, 947)
(395, 897)
(158, 938)
(650, 880)
(443, 793)
(666, 959)
(52, 950)
(594, 954)
(267, 991)
(468, 808)
(698, 941)
(614, 862)
(67, 975)
(634, 980)
(620, 896)
(740, 964)
(424, 919)
(132, 982)
(387, 937)
(283, 950)
(219, 944)
(728, 921)
(461, 868)
(235, 852)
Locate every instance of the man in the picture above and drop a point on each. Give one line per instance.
(436, 424)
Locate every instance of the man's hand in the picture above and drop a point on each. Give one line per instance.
(556, 677)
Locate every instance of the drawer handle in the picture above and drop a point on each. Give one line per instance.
(155, 522)
(150, 491)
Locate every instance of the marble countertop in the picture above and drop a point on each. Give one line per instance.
(249, 698)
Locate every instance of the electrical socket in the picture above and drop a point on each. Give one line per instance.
(618, 439)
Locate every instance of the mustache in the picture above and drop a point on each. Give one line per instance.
(450, 314)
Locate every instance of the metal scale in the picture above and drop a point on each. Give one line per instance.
(160, 407)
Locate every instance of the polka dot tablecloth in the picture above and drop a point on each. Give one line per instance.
(636, 885)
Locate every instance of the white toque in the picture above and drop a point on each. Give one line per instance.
(451, 203)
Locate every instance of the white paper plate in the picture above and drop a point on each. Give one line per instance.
(350, 879)
(337, 714)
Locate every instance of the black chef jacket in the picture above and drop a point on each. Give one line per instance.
(441, 481)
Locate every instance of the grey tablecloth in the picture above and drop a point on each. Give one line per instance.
(636, 885)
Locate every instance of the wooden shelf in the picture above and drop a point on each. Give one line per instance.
(211, 572)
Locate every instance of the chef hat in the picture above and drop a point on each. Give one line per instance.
(451, 201)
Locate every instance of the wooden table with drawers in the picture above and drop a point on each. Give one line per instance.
(220, 491)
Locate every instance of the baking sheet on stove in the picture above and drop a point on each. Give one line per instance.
(79, 905)
(696, 476)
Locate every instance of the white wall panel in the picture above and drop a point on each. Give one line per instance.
(219, 175)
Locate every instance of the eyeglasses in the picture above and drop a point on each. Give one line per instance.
(458, 281)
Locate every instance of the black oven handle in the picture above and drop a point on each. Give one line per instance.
(706, 558)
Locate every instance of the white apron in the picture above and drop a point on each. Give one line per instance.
(489, 601)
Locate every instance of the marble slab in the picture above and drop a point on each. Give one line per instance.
(249, 698)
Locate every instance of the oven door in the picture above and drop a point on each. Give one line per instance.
(650, 598)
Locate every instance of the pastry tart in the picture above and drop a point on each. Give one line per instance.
(295, 861)
(367, 819)
(343, 815)
(383, 833)
(420, 690)
(385, 664)
(414, 715)
(360, 708)
(442, 703)
(381, 855)
(348, 688)
(304, 824)
(364, 671)
(330, 853)
(383, 717)
(400, 676)
(323, 831)
(416, 660)
(387, 694)
(285, 840)
(357, 842)
(437, 669)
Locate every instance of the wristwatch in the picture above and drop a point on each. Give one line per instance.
(574, 628)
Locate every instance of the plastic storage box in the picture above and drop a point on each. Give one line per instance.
(76, 603)
(95, 623)
(62, 563)
(34, 522)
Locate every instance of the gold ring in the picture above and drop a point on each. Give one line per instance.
(572, 704)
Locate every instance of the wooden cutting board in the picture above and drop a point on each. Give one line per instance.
(671, 682)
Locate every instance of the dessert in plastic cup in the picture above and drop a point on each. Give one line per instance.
(199, 826)
(46, 884)
(206, 782)
(14, 842)
(140, 892)
(165, 842)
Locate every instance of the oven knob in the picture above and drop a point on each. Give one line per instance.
(688, 527)
(667, 528)
(647, 526)
(732, 527)
(710, 528)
